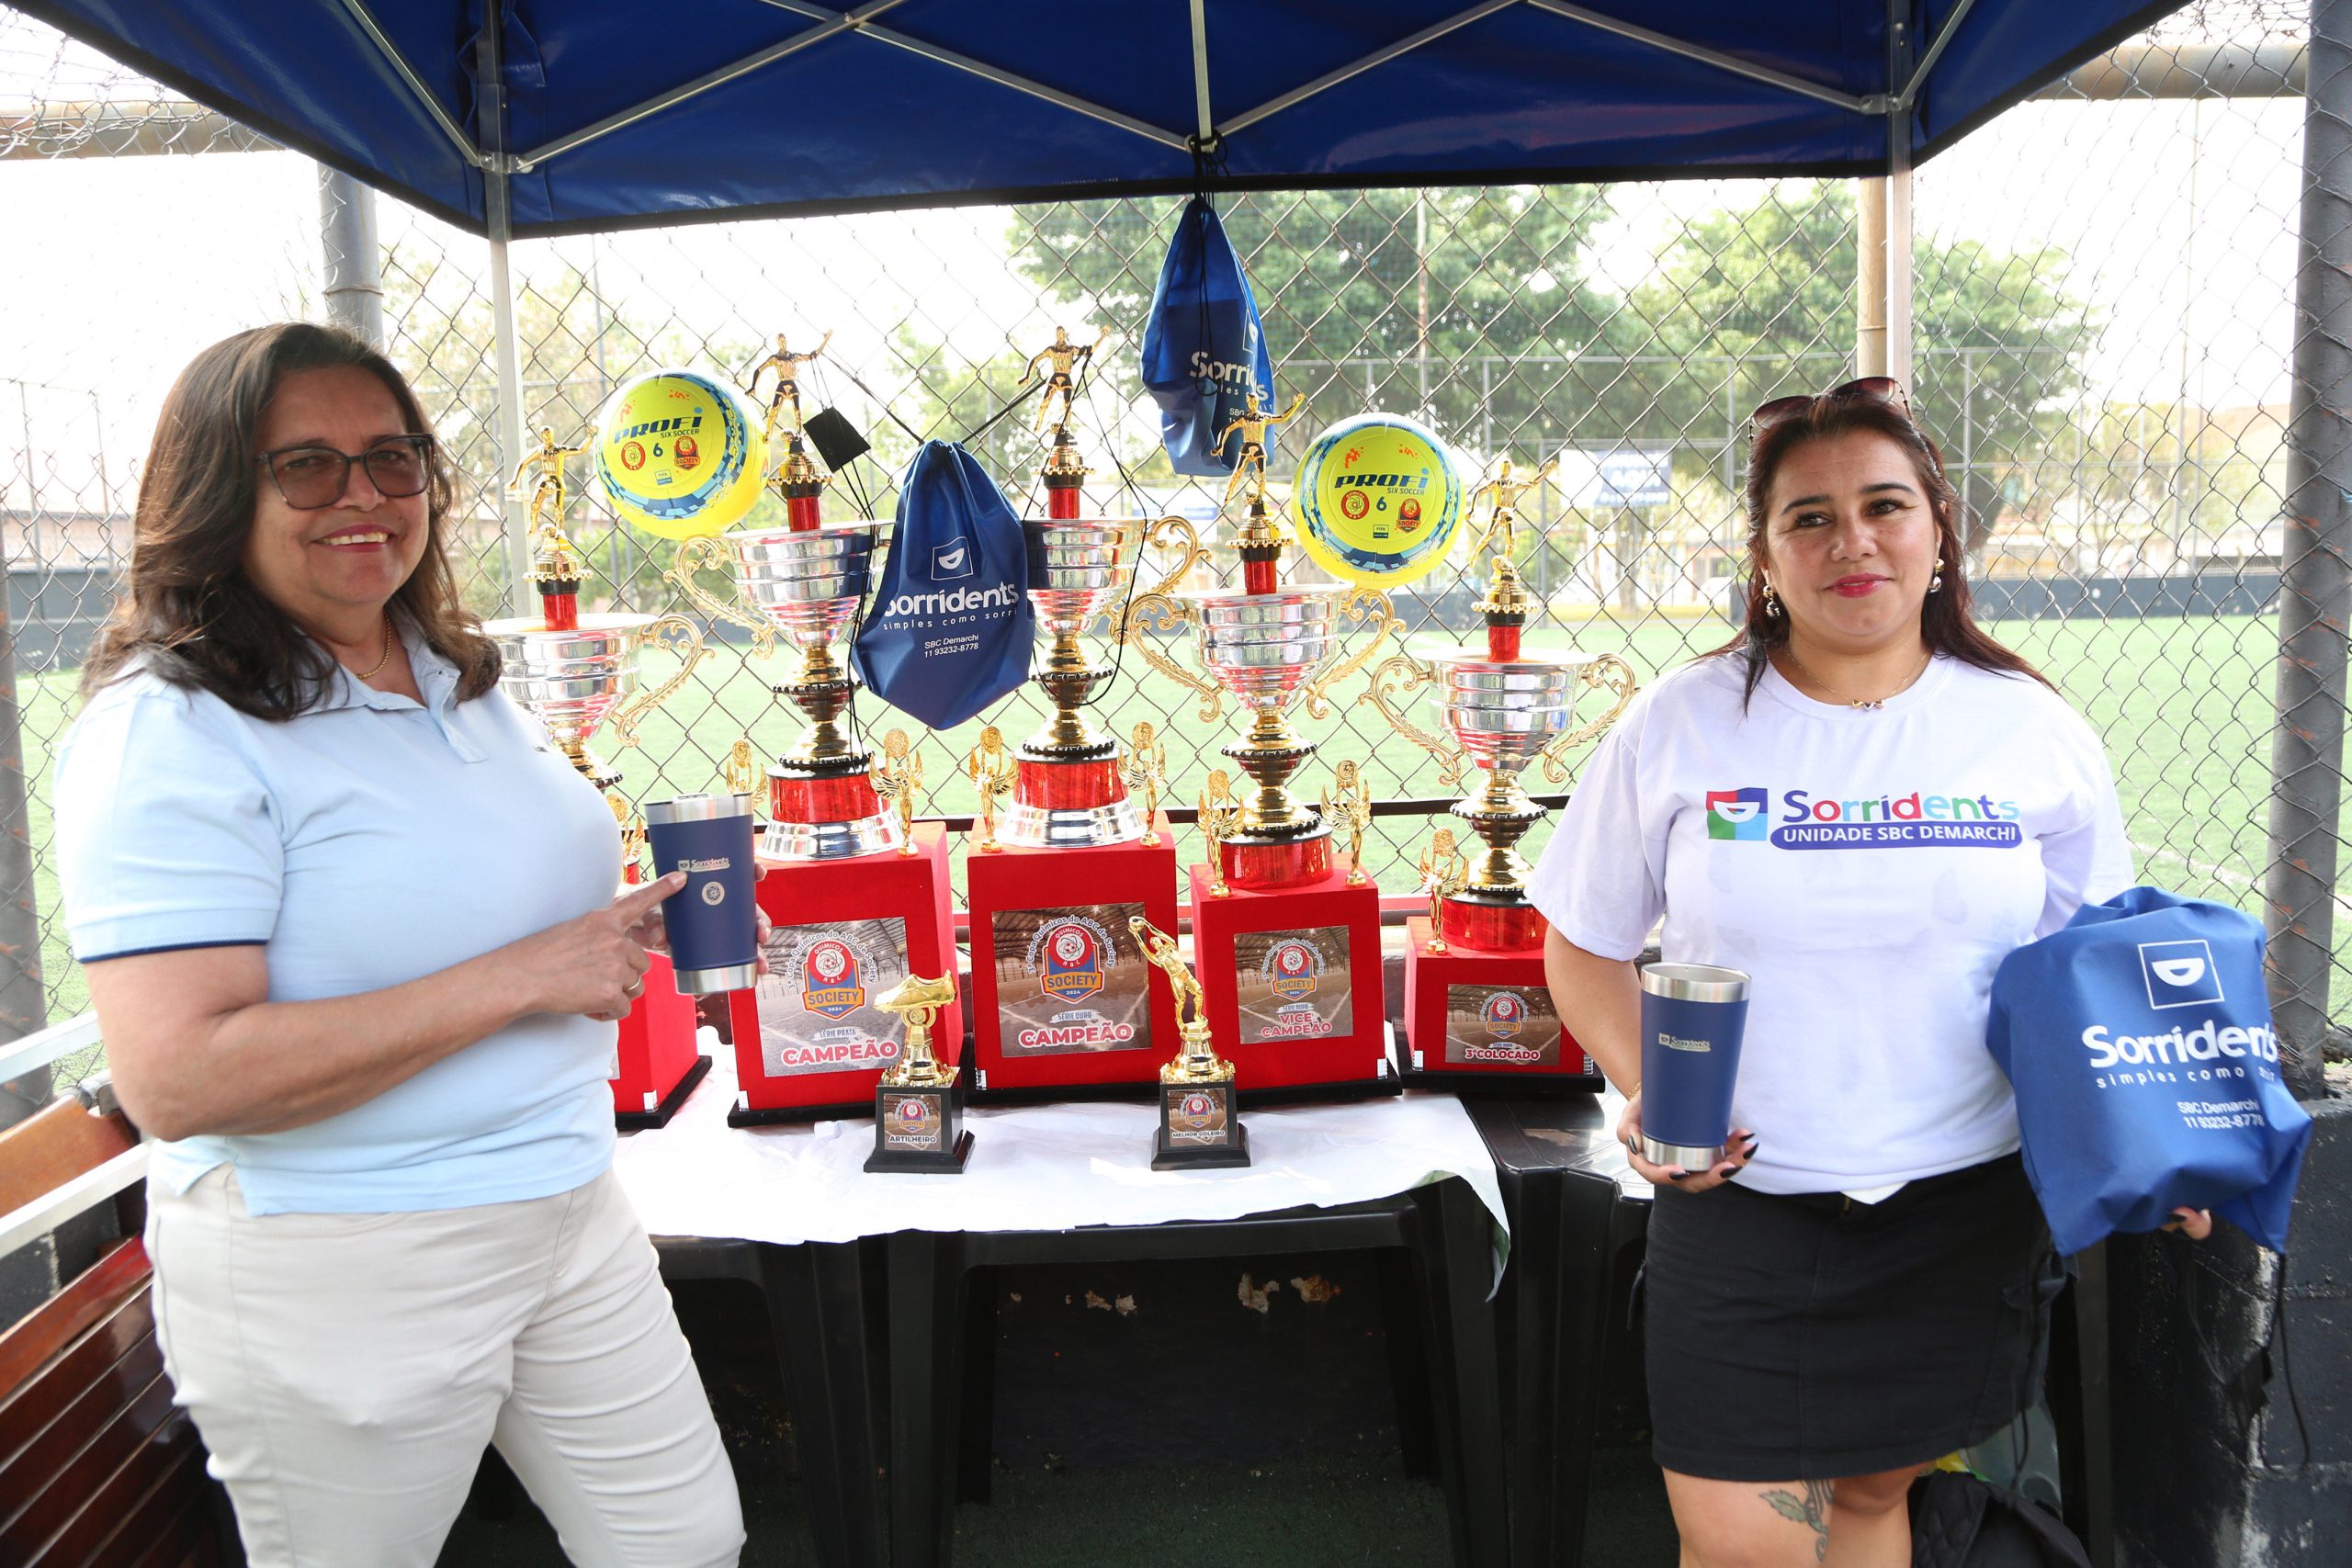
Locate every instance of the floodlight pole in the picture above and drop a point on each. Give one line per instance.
(497, 169)
(2315, 583)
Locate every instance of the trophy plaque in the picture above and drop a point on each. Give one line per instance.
(1062, 1001)
(1475, 1007)
(918, 1126)
(1199, 1115)
(1287, 941)
(572, 671)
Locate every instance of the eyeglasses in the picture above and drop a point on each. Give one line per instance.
(314, 478)
(1780, 411)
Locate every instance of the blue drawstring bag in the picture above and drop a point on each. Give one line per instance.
(1203, 348)
(951, 629)
(2139, 1042)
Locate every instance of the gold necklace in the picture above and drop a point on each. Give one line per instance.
(386, 656)
(1861, 705)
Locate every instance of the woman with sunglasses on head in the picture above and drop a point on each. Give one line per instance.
(349, 925)
(1865, 803)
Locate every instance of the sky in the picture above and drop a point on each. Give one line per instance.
(2175, 220)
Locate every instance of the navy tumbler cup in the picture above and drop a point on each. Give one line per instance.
(714, 920)
(1692, 1017)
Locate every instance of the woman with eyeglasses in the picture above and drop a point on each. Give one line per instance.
(349, 925)
(1865, 803)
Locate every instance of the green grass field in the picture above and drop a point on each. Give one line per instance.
(2184, 706)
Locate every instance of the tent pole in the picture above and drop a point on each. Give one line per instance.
(491, 86)
(355, 269)
(1870, 277)
(2315, 580)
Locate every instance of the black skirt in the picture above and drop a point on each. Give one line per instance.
(1814, 1337)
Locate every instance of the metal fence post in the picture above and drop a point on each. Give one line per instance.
(355, 266)
(499, 213)
(2315, 587)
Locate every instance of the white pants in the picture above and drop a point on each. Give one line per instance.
(345, 1371)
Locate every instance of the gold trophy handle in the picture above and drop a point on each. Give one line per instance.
(1162, 613)
(1189, 554)
(688, 638)
(1359, 603)
(1413, 674)
(1609, 672)
(707, 554)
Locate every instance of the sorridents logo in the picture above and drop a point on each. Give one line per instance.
(1073, 960)
(956, 601)
(1736, 814)
(1504, 1014)
(951, 560)
(831, 983)
(2179, 974)
(1291, 967)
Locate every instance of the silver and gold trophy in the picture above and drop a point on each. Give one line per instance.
(1503, 710)
(803, 585)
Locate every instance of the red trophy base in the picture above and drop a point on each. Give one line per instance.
(1493, 928)
(1064, 1005)
(1292, 979)
(1485, 1020)
(809, 1044)
(1268, 868)
(659, 1064)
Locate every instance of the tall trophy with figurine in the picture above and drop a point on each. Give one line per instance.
(574, 671)
(1062, 996)
(1475, 1004)
(857, 893)
(1286, 939)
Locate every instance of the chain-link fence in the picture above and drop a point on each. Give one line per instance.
(2103, 299)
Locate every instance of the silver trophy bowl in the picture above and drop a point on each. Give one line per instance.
(570, 680)
(1504, 714)
(1265, 647)
(1077, 567)
(809, 584)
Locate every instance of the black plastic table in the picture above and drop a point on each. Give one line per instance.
(818, 1310)
(1442, 1228)
(1578, 1217)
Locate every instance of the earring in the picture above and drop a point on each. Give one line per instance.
(1936, 583)
(1771, 602)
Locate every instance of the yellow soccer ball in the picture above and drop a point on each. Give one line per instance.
(1378, 498)
(679, 454)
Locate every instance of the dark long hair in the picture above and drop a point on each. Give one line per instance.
(187, 611)
(1946, 621)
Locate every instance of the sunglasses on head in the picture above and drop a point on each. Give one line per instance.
(1780, 411)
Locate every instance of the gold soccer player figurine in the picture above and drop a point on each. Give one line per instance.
(1506, 492)
(741, 772)
(1147, 765)
(1350, 808)
(898, 778)
(547, 489)
(1196, 1060)
(1251, 422)
(1219, 814)
(990, 770)
(785, 363)
(1443, 873)
(1066, 361)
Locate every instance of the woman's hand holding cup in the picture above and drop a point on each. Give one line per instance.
(594, 965)
(1739, 1150)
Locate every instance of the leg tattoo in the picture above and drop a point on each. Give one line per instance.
(1812, 1510)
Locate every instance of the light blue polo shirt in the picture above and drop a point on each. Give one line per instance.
(363, 844)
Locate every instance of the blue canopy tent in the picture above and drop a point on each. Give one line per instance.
(610, 113)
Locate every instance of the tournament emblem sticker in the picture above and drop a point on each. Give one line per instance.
(832, 982)
(1073, 962)
(911, 1121)
(1291, 968)
(679, 455)
(1379, 500)
(1503, 1014)
(1195, 1116)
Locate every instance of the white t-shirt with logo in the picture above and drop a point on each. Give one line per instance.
(1868, 870)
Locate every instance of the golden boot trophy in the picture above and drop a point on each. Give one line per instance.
(918, 1125)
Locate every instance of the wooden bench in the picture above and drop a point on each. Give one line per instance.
(98, 1468)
